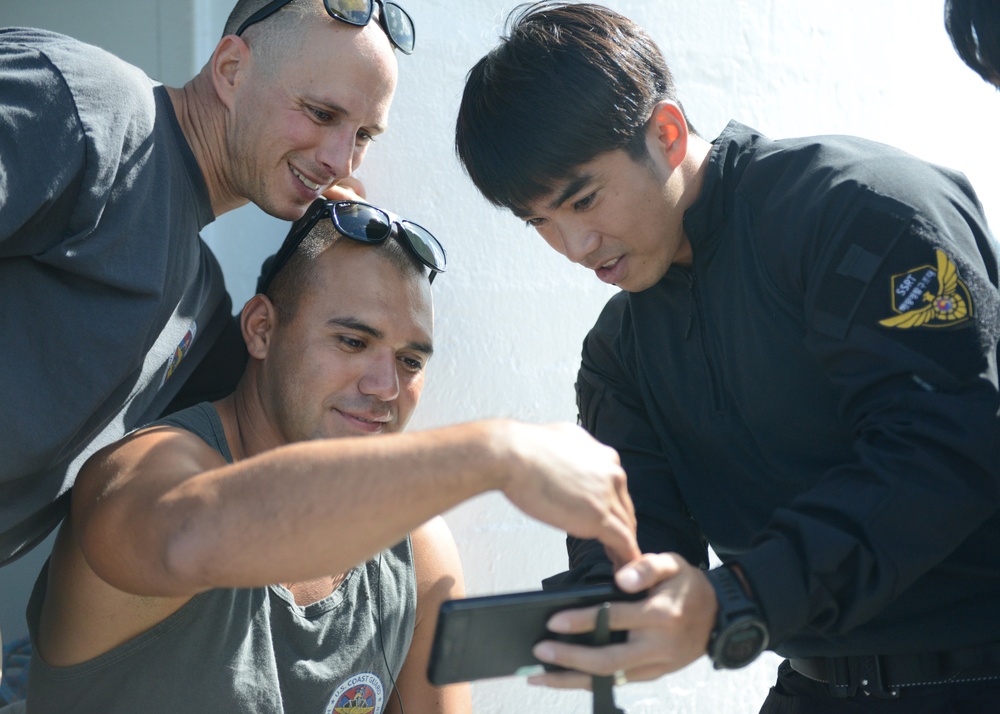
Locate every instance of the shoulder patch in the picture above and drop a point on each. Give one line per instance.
(929, 296)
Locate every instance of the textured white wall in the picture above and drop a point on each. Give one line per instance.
(512, 314)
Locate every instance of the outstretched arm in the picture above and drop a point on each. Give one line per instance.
(271, 518)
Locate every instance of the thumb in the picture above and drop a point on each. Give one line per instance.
(647, 571)
(347, 189)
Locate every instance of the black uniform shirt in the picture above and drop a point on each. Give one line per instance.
(816, 396)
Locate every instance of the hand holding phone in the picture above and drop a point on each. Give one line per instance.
(492, 636)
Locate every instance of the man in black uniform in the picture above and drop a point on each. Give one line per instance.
(801, 373)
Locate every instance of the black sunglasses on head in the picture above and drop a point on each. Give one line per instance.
(364, 223)
(393, 19)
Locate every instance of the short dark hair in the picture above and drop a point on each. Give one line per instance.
(297, 275)
(974, 29)
(566, 83)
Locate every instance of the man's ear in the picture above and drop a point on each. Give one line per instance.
(668, 132)
(231, 56)
(258, 320)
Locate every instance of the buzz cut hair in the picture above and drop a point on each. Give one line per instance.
(278, 35)
(297, 276)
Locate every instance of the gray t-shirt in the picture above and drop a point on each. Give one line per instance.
(108, 297)
(246, 650)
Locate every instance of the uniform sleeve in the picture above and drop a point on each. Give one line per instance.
(611, 410)
(901, 307)
(41, 150)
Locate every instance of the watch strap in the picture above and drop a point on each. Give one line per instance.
(729, 591)
(740, 633)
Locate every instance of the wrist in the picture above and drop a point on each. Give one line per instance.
(740, 633)
(496, 457)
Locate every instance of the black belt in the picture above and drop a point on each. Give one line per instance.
(885, 675)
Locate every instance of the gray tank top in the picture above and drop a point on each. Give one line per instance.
(249, 650)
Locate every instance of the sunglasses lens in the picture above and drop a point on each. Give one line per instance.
(399, 27)
(361, 222)
(354, 12)
(426, 246)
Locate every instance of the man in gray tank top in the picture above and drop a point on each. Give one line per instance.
(252, 554)
(211, 566)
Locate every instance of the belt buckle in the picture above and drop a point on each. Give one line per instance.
(870, 678)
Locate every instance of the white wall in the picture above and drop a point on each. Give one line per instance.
(512, 314)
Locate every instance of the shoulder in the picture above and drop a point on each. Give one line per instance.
(33, 55)
(78, 107)
(434, 548)
(66, 77)
(817, 179)
(437, 564)
(37, 107)
(811, 199)
(439, 578)
(155, 453)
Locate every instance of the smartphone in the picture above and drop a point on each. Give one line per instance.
(492, 636)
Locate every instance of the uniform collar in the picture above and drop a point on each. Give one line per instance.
(731, 153)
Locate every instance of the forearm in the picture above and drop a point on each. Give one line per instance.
(321, 507)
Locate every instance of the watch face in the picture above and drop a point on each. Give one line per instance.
(740, 645)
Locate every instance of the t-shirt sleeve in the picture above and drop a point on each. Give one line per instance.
(42, 150)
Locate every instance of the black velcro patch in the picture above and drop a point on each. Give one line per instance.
(863, 246)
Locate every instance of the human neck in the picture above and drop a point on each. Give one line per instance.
(248, 431)
(201, 117)
(309, 591)
(694, 168)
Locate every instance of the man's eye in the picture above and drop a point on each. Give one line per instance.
(321, 115)
(584, 203)
(413, 365)
(351, 343)
(534, 222)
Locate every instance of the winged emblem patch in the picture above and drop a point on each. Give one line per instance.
(929, 296)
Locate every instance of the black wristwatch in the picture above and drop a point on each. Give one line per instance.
(740, 633)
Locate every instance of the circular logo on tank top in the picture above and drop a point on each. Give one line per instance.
(361, 694)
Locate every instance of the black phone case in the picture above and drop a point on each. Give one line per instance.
(492, 636)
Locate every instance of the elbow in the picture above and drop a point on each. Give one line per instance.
(188, 558)
(154, 554)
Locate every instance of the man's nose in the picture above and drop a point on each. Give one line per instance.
(380, 378)
(578, 244)
(336, 154)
